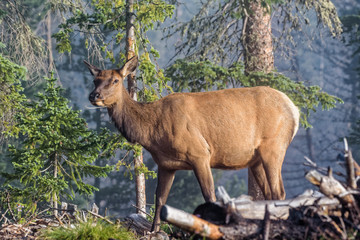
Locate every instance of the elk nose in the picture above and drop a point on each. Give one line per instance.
(94, 96)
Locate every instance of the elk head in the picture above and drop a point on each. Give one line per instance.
(109, 83)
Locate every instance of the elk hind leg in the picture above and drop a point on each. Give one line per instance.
(259, 174)
(272, 155)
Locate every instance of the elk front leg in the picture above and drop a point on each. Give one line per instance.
(165, 180)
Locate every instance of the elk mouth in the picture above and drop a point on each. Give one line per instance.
(98, 103)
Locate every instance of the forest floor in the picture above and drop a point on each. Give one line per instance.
(27, 231)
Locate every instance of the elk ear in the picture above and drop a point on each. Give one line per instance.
(93, 70)
(129, 66)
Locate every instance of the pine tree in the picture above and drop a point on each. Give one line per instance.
(57, 149)
(11, 99)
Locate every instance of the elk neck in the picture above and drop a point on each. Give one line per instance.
(134, 120)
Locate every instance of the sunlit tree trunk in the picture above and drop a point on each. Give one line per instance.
(97, 182)
(130, 52)
(259, 56)
(54, 200)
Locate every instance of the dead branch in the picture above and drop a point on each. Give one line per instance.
(329, 186)
(350, 170)
(99, 216)
(190, 222)
(139, 209)
(267, 223)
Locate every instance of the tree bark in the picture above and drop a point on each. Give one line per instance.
(49, 40)
(54, 200)
(130, 52)
(258, 39)
(259, 56)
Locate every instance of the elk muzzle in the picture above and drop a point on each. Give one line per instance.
(95, 98)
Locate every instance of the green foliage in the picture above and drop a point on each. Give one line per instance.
(11, 99)
(217, 28)
(153, 79)
(307, 98)
(199, 75)
(57, 148)
(295, 15)
(117, 141)
(150, 11)
(204, 75)
(63, 38)
(23, 46)
(109, 16)
(12, 203)
(91, 229)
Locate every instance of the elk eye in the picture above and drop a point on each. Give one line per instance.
(116, 81)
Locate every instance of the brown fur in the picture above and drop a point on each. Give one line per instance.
(227, 129)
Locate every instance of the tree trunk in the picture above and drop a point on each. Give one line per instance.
(310, 145)
(54, 200)
(138, 161)
(259, 56)
(258, 39)
(49, 40)
(97, 182)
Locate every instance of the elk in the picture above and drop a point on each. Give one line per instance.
(225, 129)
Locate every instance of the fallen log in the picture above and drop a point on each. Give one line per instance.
(278, 209)
(329, 186)
(308, 216)
(190, 222)
(138, 223)
(303, 223)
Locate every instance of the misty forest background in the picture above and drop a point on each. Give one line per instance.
(42, 47)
